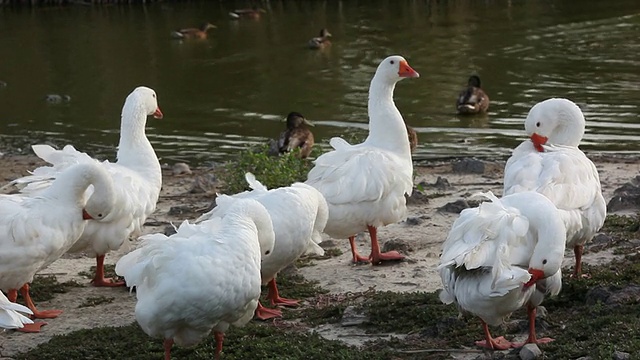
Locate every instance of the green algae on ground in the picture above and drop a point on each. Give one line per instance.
(44, 287)
(254, 341)
(96, 300)
(109, 272)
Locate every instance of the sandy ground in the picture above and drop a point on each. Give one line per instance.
(337, 274)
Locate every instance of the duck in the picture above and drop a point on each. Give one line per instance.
(253, 13)
(203, 278)
(551, 163)
(472, 99)
(321, 41)
(37, 230)
(10, 314)
(501, 256)
(136, 173)
(413, 138)
(294, 235)
(296, 136)
(193, 33)
(365, 184)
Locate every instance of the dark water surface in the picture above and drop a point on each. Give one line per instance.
(220, 94)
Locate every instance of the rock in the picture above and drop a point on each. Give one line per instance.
(597, 294)
(397, 245)
(468, 166)
(601, 238)
(273, 148)
(207, 184)
(619, 355)
(442, 183)
(626, 197)
(627, 295)
(417, 197)
(352, 317)
(530, 352)
(455, 207)
(180, 168)
(414, 221)
(584, 358)
(169, 230)
(179, 210)
(328, 244)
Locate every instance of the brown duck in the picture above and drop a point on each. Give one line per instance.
(253, 13)
(193, 33)
(413, 138)
(297, 135)
(473, 99)
(321, 41)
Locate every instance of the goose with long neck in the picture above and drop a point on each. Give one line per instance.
(501, 256)
(36, 231)
(136, 174)
(551, 163)
(365, 184)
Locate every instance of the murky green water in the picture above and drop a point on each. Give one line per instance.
(231, 90)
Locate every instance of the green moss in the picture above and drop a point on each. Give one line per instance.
(109, 272)
(271, 171)
(621, 223)
(96, 300)
(254, 341)
(44, 287)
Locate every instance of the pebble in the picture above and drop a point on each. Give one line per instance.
(530, 352)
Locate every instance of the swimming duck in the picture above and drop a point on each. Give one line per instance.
(10, 314)
(320, 41)
(365, 184)
(295, 235)
(203, 278)
(501, 256)
(253, 13)
(36, 231)
(551, 163)
(297, 135)
(193, 33)
(137, 176)
(472, 100)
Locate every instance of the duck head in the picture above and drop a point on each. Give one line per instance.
(206, 26)
(555, 121)
(296, 120)
(324, 33)
(474, 81)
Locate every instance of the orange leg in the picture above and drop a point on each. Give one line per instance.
(275, 298)
(577, 271)
(168, 344)
(499, 343)
(376, 256)
(12, 295)
(46, 314)
(219, 336)
(99, 280)
(264, 313)
(532, 339)
(356, 257)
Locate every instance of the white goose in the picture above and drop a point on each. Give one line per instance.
(496, 253)
(365, 184)
(10, 317)
(552, 164)
(136, 174)
(203, 278)
(36, 231)
(299, 214)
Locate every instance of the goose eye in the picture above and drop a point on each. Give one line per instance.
(267, 252)
(99, 215)
(154, 96)
(544, 262)
(392, 62)
(538, 124)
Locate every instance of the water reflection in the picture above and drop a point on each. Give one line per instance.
(220, 94)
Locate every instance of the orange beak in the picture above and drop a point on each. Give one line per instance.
(85, 215)
(538, 141)
(406, 71)
(536, 274)
(157, 114)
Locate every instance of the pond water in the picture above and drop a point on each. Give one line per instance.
(229, 91)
